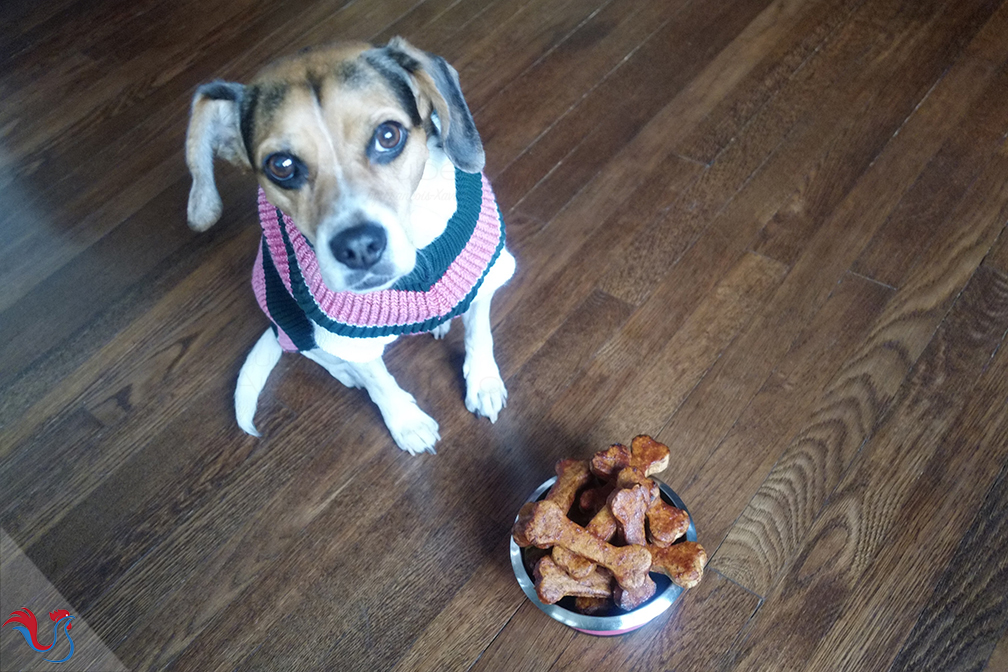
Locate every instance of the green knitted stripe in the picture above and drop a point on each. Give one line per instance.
(433, 261)
(281, 306)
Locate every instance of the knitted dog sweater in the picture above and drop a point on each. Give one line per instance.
(448, 273)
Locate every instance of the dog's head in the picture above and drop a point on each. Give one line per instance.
(339, 138)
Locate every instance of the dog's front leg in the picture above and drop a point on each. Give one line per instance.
(485, 391)
(413, 430)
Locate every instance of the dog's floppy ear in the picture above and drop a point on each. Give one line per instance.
(214, 130)
(439, 82)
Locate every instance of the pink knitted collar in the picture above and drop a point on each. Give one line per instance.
(289, 287)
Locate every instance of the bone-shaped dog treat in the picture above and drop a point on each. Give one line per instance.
(603, 526)
(666, 522)
(552, 583)
(628, 477)
(629, 600)
(629, 506)
(571, 477)
(607, 462)
(682, 562)
(648, 454)
(644, 453)
(523, 512)
(546, 525)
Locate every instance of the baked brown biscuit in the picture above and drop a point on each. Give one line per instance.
(628, 477)
(545, 525)
(592, 605)
(666, 523)
(603, 526)
(607, 462)
(593, 500)
(553, 584)
(629, 507)
(648, 454)
(683, 562)
(572, 475)
(628, 600)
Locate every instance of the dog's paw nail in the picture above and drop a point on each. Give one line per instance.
(415, 431)
(488, 399)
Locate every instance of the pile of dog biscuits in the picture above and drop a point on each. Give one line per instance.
(628, 532)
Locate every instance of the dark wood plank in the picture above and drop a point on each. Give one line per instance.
(892, 253)
(965, 616)
(792, 35)
(734, 377)
(868, 70)
(779, 515)
(561, 259)
(554, 84)
(998, 257)
(520, 644)
(643, 402)
(738, 225)
(578, 145)
(999, 659)
(843, 544)
(682, 286)
(939, 506)
(24, 586)
(702, 626)
(718, 485)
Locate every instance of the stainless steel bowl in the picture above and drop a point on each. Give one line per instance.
(618, 622)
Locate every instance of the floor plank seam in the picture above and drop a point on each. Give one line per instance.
(727, 658)
(762, 598)
(870, 279)
(1002, 239)
(494, 638)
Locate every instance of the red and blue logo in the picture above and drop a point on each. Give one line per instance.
(28, 627)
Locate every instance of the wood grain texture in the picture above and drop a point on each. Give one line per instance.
(770, 232)
(694, 636)
(967, 607)
(854, 403)
(719, 484)
(847, 538)
(864, 388)
(939, 507)
(999, 658)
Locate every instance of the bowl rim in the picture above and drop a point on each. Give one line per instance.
(601, 624)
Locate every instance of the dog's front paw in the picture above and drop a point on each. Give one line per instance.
(485, 395)
(413, 430)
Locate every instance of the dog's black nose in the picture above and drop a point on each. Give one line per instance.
(359, 247)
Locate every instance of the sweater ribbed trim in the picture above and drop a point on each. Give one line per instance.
(447, 275)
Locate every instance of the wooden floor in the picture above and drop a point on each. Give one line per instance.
(770, 233)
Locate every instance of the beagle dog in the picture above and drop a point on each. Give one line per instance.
(377, 220)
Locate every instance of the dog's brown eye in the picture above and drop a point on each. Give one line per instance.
(280, 166)
(285, 170)
(389, 139)
(388, 135)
